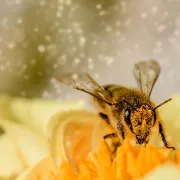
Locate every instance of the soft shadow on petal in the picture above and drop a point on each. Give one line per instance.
(36, 112)
(30, 146)
(70, 135)
(170, 116)
(10, 164)
(163, 172)
(42, 169)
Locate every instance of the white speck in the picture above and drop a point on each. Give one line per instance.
(36, 29)
(11, 45)
(166, 14)
(144, 15)
(55, 66)
(161, 27)
(76, 61)
(94, 42)
(60, 7)
(18, 1)
(82, 41)
(176, 32)
(42, 3)
(91, 66)
(109, 60)
(154, 9)
(19, 21)
(102, 13)
(98, 6)
(2, 67)
(118, 33)
(69, 31)
(108, 29)
(53, 81)
(58, 14)
(123, 3)
(26, 77)
(74, 76)
(96, 76)
(61, 1)
(158, 44)
(47, 38)
(41, 48)
(118, 23)
(68, 2)
(90, 60)
(45, 94)
(33, 61)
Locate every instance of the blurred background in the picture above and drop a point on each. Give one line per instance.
(104, 38)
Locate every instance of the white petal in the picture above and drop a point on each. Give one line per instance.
(10, 164)
(164, 172)
(30, 146)
(36, 113)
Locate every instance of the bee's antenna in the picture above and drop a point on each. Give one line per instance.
(162, 104)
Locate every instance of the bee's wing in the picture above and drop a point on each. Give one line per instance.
(146, 74)
(84, 82)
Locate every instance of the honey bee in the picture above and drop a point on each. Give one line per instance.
(126, 110)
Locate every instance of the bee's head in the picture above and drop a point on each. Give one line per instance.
(140, 122)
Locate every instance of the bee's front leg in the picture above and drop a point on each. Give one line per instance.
(161, 131)
(114, 145)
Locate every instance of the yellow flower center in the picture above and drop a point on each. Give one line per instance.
(130, 162)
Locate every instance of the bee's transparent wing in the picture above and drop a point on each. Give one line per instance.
(84, 82)
(146, 74)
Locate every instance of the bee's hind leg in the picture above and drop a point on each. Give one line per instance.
(161, 132)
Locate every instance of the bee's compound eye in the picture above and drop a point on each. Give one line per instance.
(127, 114)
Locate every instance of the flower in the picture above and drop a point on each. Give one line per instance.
(23, 123)
(130, 162)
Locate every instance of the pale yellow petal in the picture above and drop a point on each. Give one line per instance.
(36, 112)
(30, 146)
(163, 172)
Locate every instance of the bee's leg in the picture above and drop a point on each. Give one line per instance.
(104, 117)
(115, 145)
(110, 136)
(161, 131)
(121, 130)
